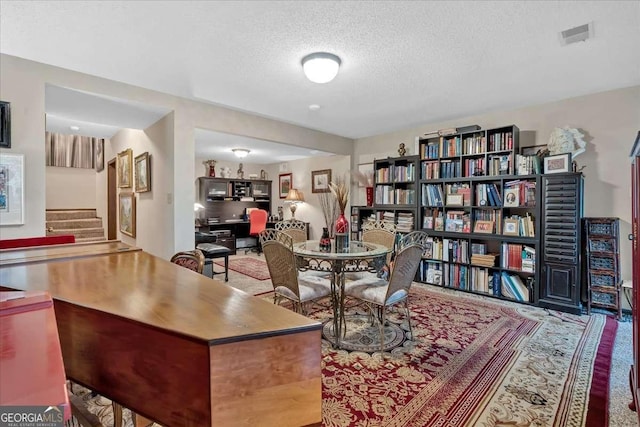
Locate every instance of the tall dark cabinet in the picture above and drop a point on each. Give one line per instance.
(562, 202)
(634, 375)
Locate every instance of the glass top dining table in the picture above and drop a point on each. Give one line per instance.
(358, 256)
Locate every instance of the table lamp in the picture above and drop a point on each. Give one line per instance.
(294, 197)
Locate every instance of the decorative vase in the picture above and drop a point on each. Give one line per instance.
(369, 196)
(342, 233)
(325, 241)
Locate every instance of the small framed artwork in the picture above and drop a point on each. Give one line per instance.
(284, 184)
(5, 124)
(558, 163)
(127, 214)
(454, 199)
(483, 227)
(511, 197)
(320, 181)
(143, 172)
(99, 154)
(510, 227)
(125, 168)
(533, 150)
(11, 189)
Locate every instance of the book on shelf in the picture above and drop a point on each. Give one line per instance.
(485, 260)
(478, 248)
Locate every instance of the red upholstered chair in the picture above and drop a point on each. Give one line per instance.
(257, 223)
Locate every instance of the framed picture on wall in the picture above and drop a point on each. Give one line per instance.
(127, 214)
(5, 124)
(125, 168)
(320, 181)
(11, 189)
(143, 172)
(284, 184)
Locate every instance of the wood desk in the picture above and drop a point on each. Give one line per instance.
(176, 346)
(31, 369)
(66, 251)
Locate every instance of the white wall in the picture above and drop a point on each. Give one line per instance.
(70, 188)
(22, 83)
(310, 211)
(154, 209)
(610, 121)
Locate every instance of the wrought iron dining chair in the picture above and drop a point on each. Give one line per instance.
(379, 295)
(294, 228)
(193, 260)
(381, 233)
(288, 282)
(419, 237)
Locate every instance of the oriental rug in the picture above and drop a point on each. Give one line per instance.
(248, 266)
(472, 361)
(475, 362)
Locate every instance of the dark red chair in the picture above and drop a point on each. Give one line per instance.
(257, 223)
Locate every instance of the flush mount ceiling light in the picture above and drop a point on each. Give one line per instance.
(240, 152)
(321, 67)
(76, 128)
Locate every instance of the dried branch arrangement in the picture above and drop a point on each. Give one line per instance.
(340, 190)
(329, 210)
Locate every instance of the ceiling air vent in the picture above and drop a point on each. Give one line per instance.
(576, 34)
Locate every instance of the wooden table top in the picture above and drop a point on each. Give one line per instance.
(66, 251)
(148, 289)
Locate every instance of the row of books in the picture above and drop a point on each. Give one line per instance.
(518, 257)
(520, 193)
(430, 170)
(386, 195)
(396, 173)
(517, 193)
(405, 222)
(501, 141)
(516, 225)
(500, 165)
(528, 165)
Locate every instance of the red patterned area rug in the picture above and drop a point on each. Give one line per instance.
(474, 362)
(249, 267)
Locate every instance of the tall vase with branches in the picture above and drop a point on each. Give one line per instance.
(329, 207)
(340, 190)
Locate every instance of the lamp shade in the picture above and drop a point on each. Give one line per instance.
(321, 67)
(294, 196)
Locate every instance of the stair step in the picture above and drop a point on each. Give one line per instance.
(56, 215)
(90, 239)
(79, 232)
(75, 223)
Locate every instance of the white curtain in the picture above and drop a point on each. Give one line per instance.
(71, 151)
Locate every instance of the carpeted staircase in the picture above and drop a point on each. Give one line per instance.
(84, 224)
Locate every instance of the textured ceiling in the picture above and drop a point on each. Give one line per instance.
(403, 63)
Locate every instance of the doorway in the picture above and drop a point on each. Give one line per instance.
(112, 201)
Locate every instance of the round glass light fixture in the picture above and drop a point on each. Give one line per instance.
(321, 67)
(241, 152)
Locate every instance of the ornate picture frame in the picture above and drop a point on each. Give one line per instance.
(127, 214)
(125, 168)
(320, 181)
(143, 173)
(285, 181)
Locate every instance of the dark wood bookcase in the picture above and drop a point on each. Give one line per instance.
(396, 192)
(561, 280)
(634, 374)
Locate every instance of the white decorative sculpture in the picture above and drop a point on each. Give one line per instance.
(566, 140)
(225, 172)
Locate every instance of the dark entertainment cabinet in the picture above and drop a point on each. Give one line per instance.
(224, 219)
